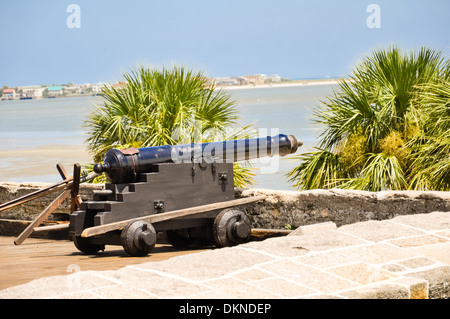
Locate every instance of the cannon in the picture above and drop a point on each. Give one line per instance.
(186, 192)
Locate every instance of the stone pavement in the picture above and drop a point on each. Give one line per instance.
(405, 257)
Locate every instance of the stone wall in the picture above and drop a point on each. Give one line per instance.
(31, 209)
(280, 207)
(339, 206)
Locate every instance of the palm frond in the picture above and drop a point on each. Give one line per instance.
(390, 93)
(158, 107)
(380, 173)
(320, 169)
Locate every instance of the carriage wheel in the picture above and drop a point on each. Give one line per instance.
(84, 246)
(231, 227)
(138, 238)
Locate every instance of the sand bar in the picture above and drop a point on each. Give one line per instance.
(17, 165)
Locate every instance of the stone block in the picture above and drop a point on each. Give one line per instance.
(438, 279)
(380, 253)
(282, 287)
(309, 229)
(379, 230)
(361, 273)
(215, 263)
(416, 262)
(432, 221)
(418, 288)
(324, 260)
(324, 240)
(239, 289)
(436, 252)
(386, 290)
(307, 276)
(418, 241)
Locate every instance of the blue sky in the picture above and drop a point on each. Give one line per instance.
(292, 38)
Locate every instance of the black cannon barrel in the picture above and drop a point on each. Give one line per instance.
(121, 166)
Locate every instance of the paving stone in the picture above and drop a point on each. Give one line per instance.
(238, 289)
(431, 221)
(437, 252)
(438, 280)
(417, 241)
(418, 288)
(325, 260)
(122, 292)
(361, 273)
(416, 262)
(309, 229)
(307, 276)
(215, 263)
(444, 233)
(282, 287)
(253, 275)
(213, 294)
(321, 296)
(58, 286)
(394, 268)
(278, 247)
(378, 291)
(379, 230)
(376, 253)
(157, 284)
(79, 295)
(318, 241)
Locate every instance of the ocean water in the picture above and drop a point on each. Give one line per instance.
(28, 124)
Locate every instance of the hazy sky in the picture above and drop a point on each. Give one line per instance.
(292, 38)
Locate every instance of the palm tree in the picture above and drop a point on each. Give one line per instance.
(431, 160)
(156, 107)
(370, 124)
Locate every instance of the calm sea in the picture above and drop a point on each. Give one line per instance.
(27, 124)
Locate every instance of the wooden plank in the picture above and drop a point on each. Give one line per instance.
(36, 194)
(27, 232)
(52, 227)
(97, 230)
(62, 171)
(76, 198)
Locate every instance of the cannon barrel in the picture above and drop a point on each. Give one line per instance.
(121, 166)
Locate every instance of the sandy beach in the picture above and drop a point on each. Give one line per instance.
(284, 84)
(39, 164)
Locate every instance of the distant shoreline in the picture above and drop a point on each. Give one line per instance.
(293, 83)
(290, 83)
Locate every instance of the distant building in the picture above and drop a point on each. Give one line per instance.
(54, 91)
(72, 90)
(226, 81)
(9, 94)
(274, 78)
(97, 88)
(31, 92)
(255, 79)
